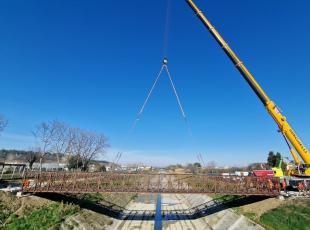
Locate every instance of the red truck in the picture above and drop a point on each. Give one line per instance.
(262, 173)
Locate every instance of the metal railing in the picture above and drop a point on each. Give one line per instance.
(79, 182)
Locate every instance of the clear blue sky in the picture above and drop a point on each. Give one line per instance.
(91, 63)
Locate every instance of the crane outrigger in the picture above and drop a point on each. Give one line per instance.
(291, 138)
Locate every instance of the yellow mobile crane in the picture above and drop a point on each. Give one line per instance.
(291, 138)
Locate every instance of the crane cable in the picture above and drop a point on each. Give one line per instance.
(151, 91)
(179, 102)
(167, 28)
(164, 67)
(147, 99)
(175, 92)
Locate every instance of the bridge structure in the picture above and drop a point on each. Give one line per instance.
(12, 170)
(80, 182)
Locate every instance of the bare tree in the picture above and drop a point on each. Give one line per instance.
(71, 140)
(60, 139)
(95, 146)
(3, 123)
(210, 166)
(44, 133)
(78, 145)
(32, 157)
(87, 146)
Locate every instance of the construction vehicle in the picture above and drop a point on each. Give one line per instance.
(290, 168)
(263, 173)
(292, 140)
(278, 172)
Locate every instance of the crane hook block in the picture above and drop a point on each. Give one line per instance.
(165, 61)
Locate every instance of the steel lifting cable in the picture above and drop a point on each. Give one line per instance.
(164, 67)
(167, 28)
(147, 99)
(175, 93)
(151, 91)
(179, 102)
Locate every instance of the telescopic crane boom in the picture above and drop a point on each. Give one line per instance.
(291, 138)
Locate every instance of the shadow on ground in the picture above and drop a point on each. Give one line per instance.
(117, 212)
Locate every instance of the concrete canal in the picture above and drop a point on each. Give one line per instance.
(170, 212)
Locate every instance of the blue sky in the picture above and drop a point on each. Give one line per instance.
(91, 63)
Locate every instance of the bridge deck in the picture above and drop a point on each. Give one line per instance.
(65, 182)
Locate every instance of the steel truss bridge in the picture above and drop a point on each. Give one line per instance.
(79, 182)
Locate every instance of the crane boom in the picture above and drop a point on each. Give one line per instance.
(284, 126)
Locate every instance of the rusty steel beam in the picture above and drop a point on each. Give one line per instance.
(79, 182)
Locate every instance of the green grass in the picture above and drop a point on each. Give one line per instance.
(224, 198)
(9, 177)
(287, 217)
(119, 199)
(251, 216)
(5, 212)
(8, 205)
(49, 217)
(293, 215)
(93, 197)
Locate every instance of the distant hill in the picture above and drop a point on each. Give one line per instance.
(21, 156)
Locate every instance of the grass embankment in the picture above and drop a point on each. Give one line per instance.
(288, 215)
(93, 220)
(116, 199)
(272, 213)
(49, 217)
(8, 205)
(5, 213)
(32, 212)
(224, 198)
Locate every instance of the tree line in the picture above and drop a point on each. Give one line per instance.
(28, 156)
(79, 146)
(273, 160)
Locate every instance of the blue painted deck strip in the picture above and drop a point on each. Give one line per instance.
(158, 217)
